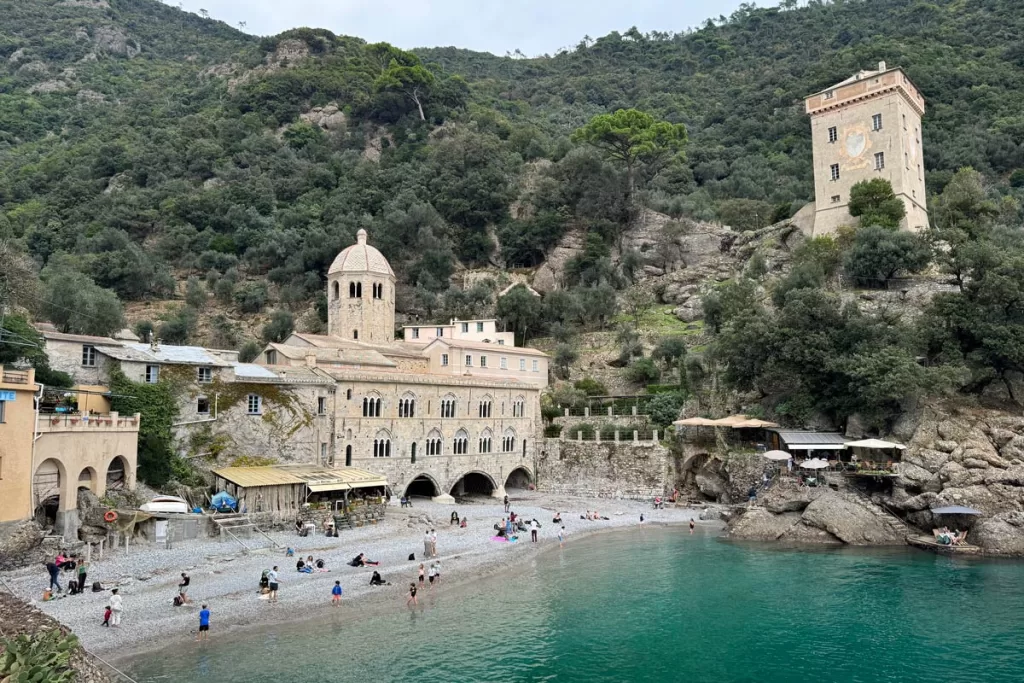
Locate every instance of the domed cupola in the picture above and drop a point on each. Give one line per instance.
(361, 294)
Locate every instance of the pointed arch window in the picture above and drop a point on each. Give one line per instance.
(434, 443)
(486, 440)
(519, 407)
(337, 290)
(407, 405)
(486, 407)
(371, 406)
(448, 404)
(382, 444)
(351, 290)
(460, 444)
(508, 441)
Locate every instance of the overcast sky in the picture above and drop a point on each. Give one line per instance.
(534, 26)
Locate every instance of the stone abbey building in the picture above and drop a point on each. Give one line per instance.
(868, 126)
(451, 408)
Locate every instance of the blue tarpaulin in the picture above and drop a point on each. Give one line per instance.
(956, 510)
(223, 501)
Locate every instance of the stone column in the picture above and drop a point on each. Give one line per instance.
(499, 493)
(586, 412)
(655, 437)
(567, 412)
(633, 410)
(636, 436)
(597, 435)
(579, 436)
(610, 411)
(616, 436)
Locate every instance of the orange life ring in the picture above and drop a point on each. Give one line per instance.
(110, 516)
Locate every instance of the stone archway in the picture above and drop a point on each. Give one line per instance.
(474, 483)
(519, 478)
(118, 474)
(47, 482)
(87, 479)
(423, 486)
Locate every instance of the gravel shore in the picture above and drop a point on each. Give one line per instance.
(227, 579)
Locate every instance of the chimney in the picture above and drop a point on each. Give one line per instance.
(154, 343)
(881, 66)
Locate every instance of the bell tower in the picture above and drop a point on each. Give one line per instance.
(361, 295)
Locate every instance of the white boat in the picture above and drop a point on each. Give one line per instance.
(166, 504)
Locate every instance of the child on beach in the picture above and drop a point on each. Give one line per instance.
(432, 575)
(421, 573)
(412, 595)
(561, 537)
(336, 593)
(106, 615)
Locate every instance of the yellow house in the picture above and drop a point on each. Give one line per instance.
(17, 418)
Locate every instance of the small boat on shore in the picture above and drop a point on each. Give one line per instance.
(166, 504)
(929, 543)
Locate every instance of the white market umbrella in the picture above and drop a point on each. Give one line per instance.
(814, 464)
(776, 455)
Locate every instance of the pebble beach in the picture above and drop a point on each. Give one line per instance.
(227, 578)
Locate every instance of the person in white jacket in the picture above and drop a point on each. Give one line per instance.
(116, 607)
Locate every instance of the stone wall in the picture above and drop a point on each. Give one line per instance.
(603, 470)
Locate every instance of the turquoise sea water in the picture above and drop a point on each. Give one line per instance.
(657, 605)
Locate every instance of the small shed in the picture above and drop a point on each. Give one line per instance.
(807, 441)
(287, 488)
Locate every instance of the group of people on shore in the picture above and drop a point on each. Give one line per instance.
(76, 565)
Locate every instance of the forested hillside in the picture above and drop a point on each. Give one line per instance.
(166, 157)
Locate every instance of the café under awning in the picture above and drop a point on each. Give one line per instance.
(812, 441)
(344, 480)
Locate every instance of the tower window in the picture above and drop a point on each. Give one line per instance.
(355, 334)
(337, 290)
(359, 290)
(834, 170)
(879, 161)
(836, 199)
(876, 122)
(351, 290)
(833, 134)
(378, 291)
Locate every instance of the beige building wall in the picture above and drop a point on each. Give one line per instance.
(16, 429)
(66, 354)
(523, 365)
(356, 433)
(849, 109)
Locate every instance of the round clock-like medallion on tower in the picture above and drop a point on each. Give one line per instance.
(361, 294)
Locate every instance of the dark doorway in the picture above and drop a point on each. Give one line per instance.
(421, 487)
(518, 478)
(473, 484)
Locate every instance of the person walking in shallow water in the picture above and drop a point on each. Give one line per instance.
(412, 595)
(204, 624)
(691, 526)
(561, 537)
(272, 579)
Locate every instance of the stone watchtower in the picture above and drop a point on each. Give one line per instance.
(361, 295)
(868, 126)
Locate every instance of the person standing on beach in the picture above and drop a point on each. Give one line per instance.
(561, 537)
(426, 544)
(83, 573)
(433, 543)
(691, 526)
(533, 531)
(204, 623)
(183, 588)
(272, 583)
(54, 571)
(412, 595)
(641, 519)
(116, 607)
(336, 593)
(506, 503)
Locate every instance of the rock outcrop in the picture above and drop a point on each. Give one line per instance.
(21, 545)
(328, 117)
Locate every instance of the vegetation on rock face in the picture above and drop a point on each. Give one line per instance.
(142, 145)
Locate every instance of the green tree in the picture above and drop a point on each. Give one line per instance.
(637, 301)
(672, 351)
(20, 341)
(642, 371)
(878, 254)
(520, 309)
(249, 351)
(251, 297)
(412, 80)
(280, 327)
(195, 293)
(632, 137)
(874, 202)
(664, 408)
(565, 356)
(76, 304)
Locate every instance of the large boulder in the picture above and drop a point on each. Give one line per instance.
(711, 484)
(1003, 533)
(20, 545)
(852, 521)
(758, 524)
(787, 497)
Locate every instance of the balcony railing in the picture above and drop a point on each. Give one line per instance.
(73, 421)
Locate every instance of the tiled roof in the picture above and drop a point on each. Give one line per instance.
(185, 355)
(361, 258)
(484, 346)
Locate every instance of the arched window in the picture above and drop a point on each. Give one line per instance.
(448, 406)
(508, 441)
(485, 441)
(337, 290)
(412, 452)
(348, 456)
(378, 290)
(486, 406)
(382, 444)
(460, 444)
(519, 407)
(371, 406)
(359, 290)
(434, 443)
(351, 290)
(407, 405)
